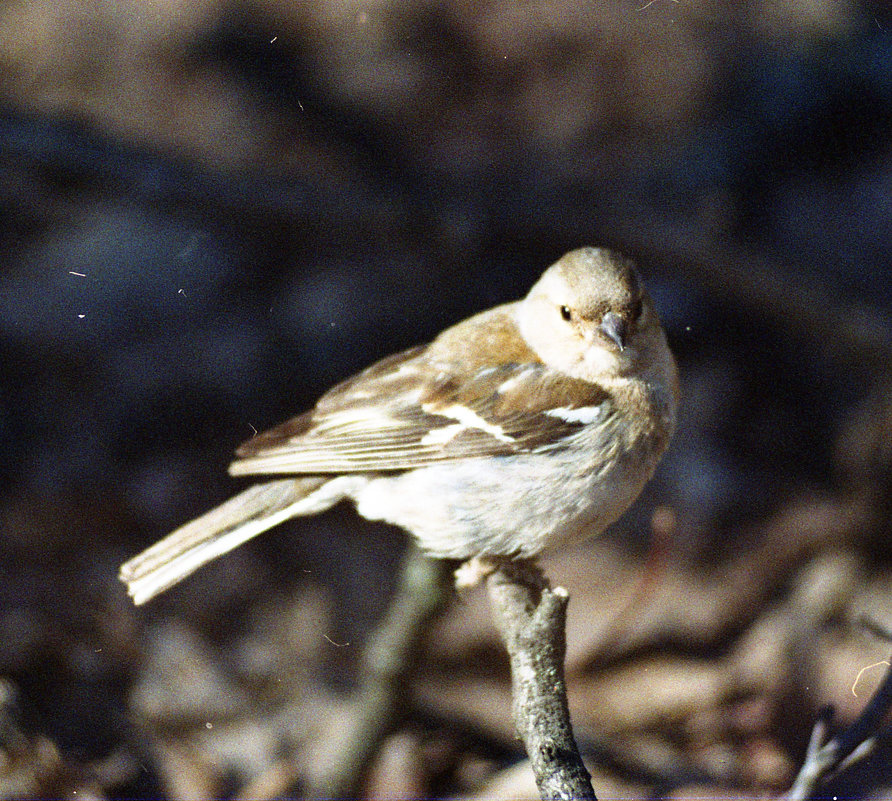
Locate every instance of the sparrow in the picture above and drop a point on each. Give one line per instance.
(521, 429)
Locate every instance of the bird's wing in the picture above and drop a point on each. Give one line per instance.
(407, 412)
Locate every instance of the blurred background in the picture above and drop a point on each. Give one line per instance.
(211, 211)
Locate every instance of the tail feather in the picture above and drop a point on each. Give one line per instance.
(215, 533)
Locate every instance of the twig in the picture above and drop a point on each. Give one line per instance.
(387, 661)
(530, 617)
(823, 758)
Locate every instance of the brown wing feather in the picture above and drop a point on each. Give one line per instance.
(426, 405)
(425, 423)
(363, 389)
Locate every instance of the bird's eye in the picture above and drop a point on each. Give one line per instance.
(566, 313)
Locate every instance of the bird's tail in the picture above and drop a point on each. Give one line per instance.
(217, 532)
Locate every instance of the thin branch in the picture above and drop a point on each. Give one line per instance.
(387, 661)
(823, 758)
(531, 617)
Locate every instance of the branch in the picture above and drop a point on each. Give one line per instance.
(823, 758)
(530, 617)
(387, 661)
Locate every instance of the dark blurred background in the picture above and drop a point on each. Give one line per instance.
(210, 212)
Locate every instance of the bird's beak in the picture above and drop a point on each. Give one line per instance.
(614, 328)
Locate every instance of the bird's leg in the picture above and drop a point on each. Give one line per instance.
(477, 569)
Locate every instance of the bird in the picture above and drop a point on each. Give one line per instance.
(521, 429)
